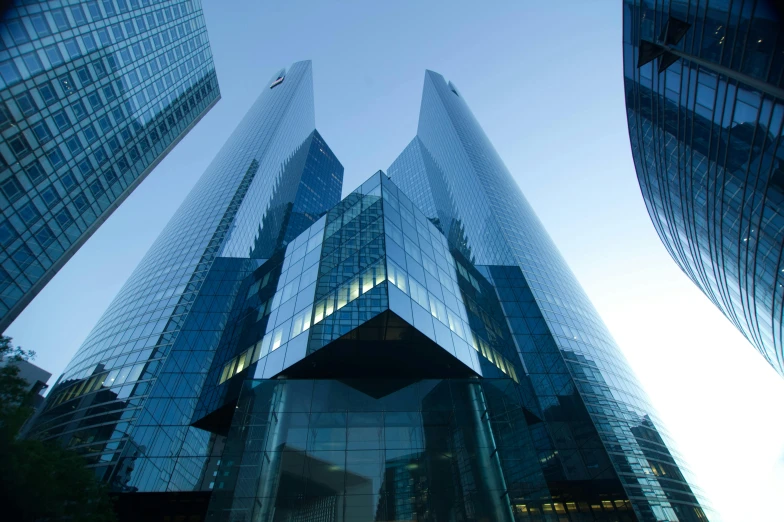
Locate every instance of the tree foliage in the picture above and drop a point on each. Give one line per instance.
(40, 481)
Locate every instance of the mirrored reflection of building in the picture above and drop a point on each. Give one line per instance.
(360, 359)
(705, 103)
(93, 95)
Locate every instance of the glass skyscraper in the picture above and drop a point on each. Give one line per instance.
(416, 351)
(92, 96)
(704, 88)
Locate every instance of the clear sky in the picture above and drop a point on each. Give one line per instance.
(545, 81)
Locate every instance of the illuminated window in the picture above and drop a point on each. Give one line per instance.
(301, 322)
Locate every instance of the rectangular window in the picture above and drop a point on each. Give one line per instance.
(9, 72)
(47, 93)
(55, 157)
(26, 103)
(96, 188)
(33, 63)
(95, 10)
(45, 236)
(78, 15)
(104, 38)
(99, 68)
(42, 133)
(301, 322)
(11, 188)
(74, 145)
(110, 176)
(118, 33)
(60, 20)
(72, 48)
(81, 203)
(35, 172)
(17, 30)
(105, 124)
(89, 133)
(40, 25)
(89, 42)
(54, 55)
(61, 120)
(108, 6)
(68, 181)
(84, 76)
(29, 213)
(79, 110)
(64, 218)
(50, 196)
(19, 146)
(95, 101)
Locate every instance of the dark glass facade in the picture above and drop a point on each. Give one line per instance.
(416, 351)
(92, 96)
(705, 123)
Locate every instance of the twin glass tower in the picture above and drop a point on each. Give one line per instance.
(418, 350)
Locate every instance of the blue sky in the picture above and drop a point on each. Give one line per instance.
(545, 81)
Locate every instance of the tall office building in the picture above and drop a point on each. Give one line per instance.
(92, 96)
(705, 103)
(416, 351)
(128, 394)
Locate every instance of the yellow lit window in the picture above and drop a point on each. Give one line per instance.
(342, 297)
(354, 289)
(241, 362)
(367, 280)
(318, 313)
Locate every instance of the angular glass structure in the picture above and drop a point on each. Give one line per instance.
(416, 351)
(131, 388)
(705, 104)
(92, 96)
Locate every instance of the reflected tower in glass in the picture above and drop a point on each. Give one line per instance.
(93, 95)
(704, 89)
(126, 399)
(598, 421)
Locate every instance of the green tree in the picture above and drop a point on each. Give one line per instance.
(40, 481)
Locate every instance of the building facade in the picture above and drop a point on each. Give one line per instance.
(93, 95)
(139, 372)
(405, 353)
(574, 364)
(705, 103)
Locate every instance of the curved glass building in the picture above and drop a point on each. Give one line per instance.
(93, 95)
(705, 104)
